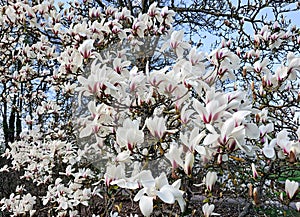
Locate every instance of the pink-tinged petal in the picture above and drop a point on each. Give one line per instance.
(208, 210)
(290, 188)
(146, 205)
(254, 172)
(189, 162)
(200, 109)
(210, 179)
(226, 129)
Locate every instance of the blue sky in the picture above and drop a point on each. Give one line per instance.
(293, 16)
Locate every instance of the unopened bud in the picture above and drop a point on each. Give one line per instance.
(219, 159)
(254, 96)
(238, 52)
(243, 21)
(227, 23)
(250, 186)
(281, 196)
(256, 41)
(292, 157)
(276, 27)
(256, 199)
(257, 118)
(252, 86)
(244, 71)
(263, 82)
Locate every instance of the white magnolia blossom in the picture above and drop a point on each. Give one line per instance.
(290, 188)
(208, 210)
(210, 180)
(158, 187)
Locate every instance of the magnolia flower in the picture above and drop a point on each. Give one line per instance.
(264, 130)
(86, 48)
(129, 135)
(177, 43)
(158, 187)
(290, 188)
(193, 139)
(196, 58)
(188, 164)
(254, 172)
(114, 172)
(226, 61)
(153, 11)
(156, 126)
(167, 15)
(293, 66)
(211, 112)
(298, 206)
(185, 114)
(262, 66)
(284, 142)
(210, 180)
(123, 156)
(138, 28)
(120, 67)
(208, 210)
(268, 149)
(173, 155)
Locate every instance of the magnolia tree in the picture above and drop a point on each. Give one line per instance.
(117, 115)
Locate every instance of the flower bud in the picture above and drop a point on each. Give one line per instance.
(256, 199)
(281, 196)
(292, 157)
(257, 118)
(254, 172)
(244, 72)
(250, 191)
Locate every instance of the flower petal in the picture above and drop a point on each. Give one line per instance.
(146, 205)
(166, 195)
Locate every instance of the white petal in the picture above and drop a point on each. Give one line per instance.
(86, 131)
(269, 152)
(201, 150)
(177, 184)
(298, 206)
(252, 131)
(181, 203)
(291, 187)
(165, 195)
(161, 181)
(146, 205)
(140, 194)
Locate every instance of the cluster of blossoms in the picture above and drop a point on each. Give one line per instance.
(176, 117)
